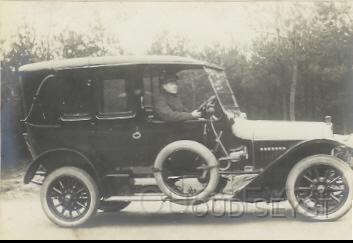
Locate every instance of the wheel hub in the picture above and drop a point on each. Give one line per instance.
(321, 189)
(68, 197)
(320, 185)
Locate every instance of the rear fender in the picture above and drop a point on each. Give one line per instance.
(56, 158)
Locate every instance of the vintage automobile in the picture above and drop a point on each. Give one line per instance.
(98, 144)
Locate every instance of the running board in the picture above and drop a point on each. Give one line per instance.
(148, 181)
(139, 198)
(161, 198)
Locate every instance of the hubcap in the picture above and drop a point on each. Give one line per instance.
(68, 198)
(321, 189)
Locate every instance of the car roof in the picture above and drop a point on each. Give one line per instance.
(88, 62)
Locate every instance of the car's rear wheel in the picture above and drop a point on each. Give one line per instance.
(69, 197)
(111, 207)
(320, 188)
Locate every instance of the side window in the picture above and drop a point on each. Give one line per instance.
(151, 84)
(151, 81)
(115, 98)
(77, 100)
(148, 91)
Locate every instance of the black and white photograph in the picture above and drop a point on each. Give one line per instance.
(176, 120)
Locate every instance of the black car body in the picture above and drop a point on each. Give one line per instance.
(97, 115)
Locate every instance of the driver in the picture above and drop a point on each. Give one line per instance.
(169, 106)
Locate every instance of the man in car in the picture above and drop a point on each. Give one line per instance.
(168, 105)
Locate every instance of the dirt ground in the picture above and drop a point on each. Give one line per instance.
(11, 183)
(21, 217)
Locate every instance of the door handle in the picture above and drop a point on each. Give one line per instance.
(137, 135)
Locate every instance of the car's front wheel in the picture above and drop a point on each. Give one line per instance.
(320, 188)
(69, 197)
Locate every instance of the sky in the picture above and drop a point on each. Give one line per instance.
(137, 24)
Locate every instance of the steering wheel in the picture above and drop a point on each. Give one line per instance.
(203, 107)
(210, 104)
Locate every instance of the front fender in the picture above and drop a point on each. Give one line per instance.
(274, 176)
(60, 157)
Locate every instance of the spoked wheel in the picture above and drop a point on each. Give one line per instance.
(320, 188)
(187, 172)
(69, 197)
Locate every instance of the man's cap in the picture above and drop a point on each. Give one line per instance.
(170, 78)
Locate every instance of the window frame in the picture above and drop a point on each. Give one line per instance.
(32, 117)
(124, 115)
(89, 114)
(154, 86)
(152, 72)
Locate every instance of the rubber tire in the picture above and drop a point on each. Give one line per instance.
(320, 160)
(89, 183)
(111, 207)
(203, 152)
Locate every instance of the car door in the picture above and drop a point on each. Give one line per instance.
(155, 133)
(117, 132)
(76, 130)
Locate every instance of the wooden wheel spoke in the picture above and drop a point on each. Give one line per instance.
(80, 204)
(80, 191)
(308, 179)
(57, 191)
(62, 185)
(331, 189)
(303, 189)
(335, 198)
(334, 180)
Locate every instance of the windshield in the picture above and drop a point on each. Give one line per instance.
(196, 85)
(222, 88)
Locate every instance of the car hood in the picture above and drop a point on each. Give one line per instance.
(281, 130)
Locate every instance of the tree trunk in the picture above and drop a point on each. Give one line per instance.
(285, 107)
(293, 90)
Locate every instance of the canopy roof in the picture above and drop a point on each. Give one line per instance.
(112, 61)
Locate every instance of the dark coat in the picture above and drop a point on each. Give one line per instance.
(169, 108)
